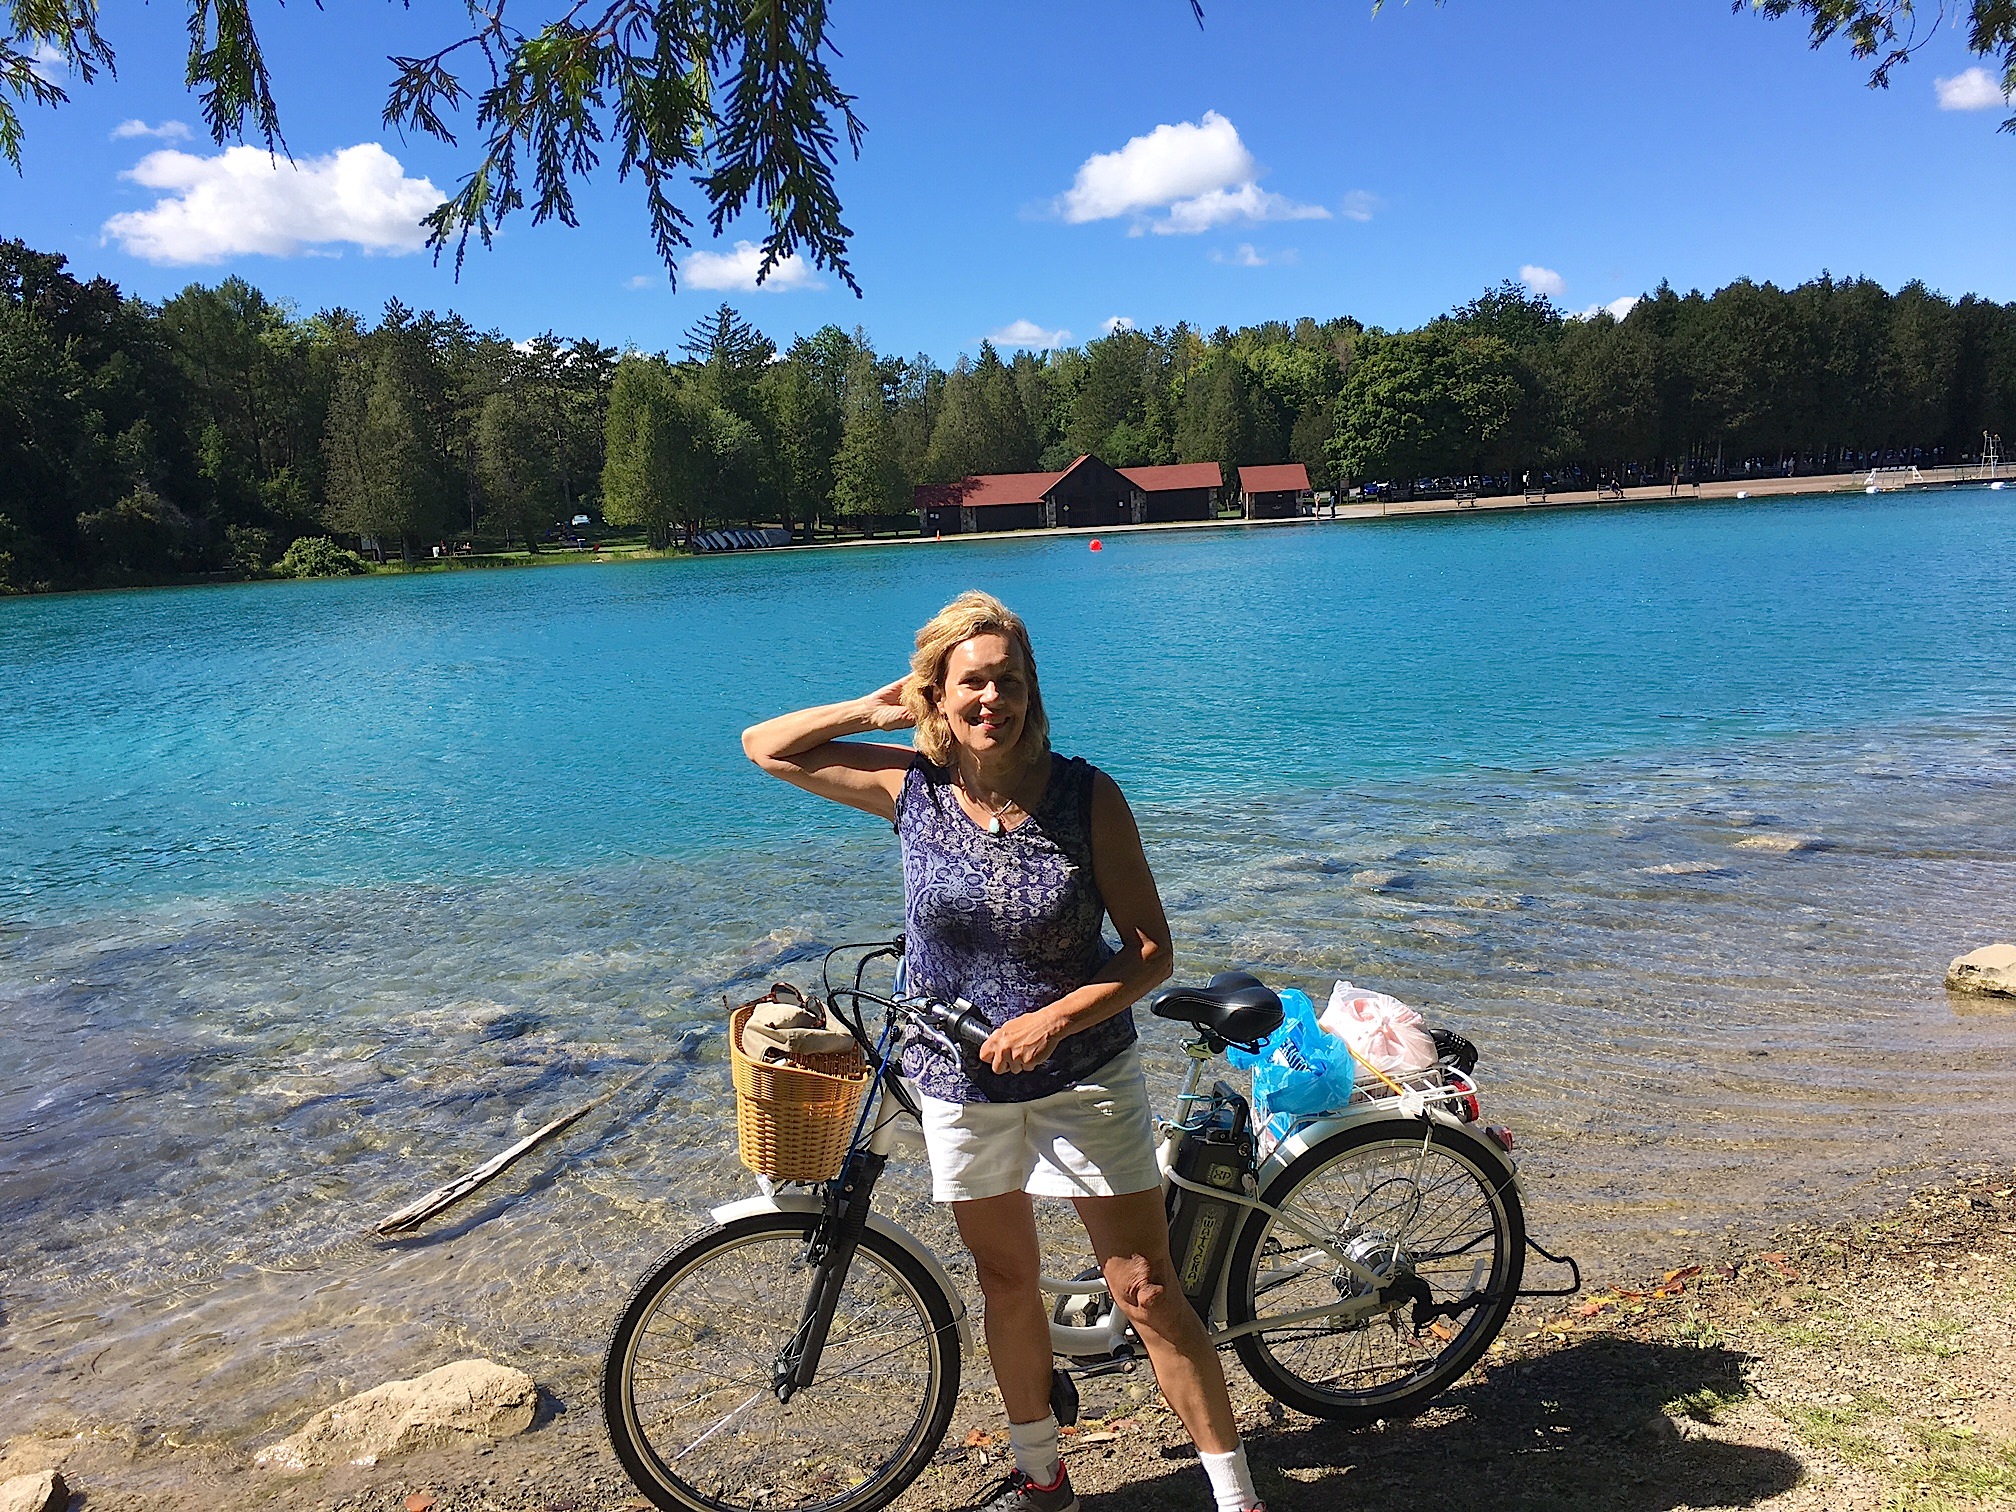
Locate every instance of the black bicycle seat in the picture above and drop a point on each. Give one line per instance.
(1234, 1006)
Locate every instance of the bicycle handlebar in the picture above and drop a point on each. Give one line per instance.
(959, 1021)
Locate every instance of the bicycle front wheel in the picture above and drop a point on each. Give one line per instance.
(688, 1386)
(1407, 1202)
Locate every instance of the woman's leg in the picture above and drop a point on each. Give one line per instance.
(1130, 1235)
(1001, 1233)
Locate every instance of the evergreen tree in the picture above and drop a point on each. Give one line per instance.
(805, 421)
(515, 468)
(868, 478)
(659, 451)
(384, 460)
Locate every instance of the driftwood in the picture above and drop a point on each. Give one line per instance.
(415, 1213)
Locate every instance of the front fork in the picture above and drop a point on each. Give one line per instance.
(843, 1213)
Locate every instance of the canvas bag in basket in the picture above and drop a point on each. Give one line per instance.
(793, 1117)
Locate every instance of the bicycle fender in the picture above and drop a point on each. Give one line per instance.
(1309, 1135)
(799, 1202)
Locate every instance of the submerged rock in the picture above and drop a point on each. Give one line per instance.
(1376, 880)
(470, 1399)
(1992, 968)
(1784, 845)
(43, 1491)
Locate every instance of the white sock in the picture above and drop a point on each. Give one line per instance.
(1035, 1446)
(1231, 1481)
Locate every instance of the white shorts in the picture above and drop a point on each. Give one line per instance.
(1094, 1139)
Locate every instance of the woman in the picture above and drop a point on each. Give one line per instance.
(1012, 858)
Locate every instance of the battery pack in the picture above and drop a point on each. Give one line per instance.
(1217, 1153)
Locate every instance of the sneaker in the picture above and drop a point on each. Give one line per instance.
(1021, 1494)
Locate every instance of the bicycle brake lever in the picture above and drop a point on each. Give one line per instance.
(920, 1033)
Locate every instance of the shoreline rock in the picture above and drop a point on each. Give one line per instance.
(44, 1491)
(469, 1399)
(1991, 969)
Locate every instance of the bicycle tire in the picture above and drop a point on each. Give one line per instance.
(708, 1321)
(1433, 1222)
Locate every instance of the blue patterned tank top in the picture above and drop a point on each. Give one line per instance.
(1009, 922)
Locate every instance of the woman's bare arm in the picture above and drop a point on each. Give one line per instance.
(1143, 962)
(806, 749)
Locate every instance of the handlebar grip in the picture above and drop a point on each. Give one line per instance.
(962, 1021)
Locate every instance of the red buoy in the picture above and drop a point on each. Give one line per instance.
(1096, 546)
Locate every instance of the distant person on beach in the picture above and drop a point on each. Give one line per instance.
(1013, 858)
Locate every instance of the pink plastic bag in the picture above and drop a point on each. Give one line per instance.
(1381, 1030)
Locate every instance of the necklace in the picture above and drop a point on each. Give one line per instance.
(994, 811)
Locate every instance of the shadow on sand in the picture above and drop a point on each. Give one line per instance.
(1598, 1424)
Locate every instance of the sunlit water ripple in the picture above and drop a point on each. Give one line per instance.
(318, 894)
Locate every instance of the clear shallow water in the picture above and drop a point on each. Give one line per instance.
(313, 895)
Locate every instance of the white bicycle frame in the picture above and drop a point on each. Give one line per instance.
(896, 1131)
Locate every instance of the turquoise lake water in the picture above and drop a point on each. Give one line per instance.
(312, 895)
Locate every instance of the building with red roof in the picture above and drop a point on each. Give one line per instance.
(1280, 492)
(1088, 495)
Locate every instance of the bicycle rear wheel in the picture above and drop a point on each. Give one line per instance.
(687, 1385)
(1410, 1202)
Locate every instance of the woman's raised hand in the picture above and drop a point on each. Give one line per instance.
(884, 708)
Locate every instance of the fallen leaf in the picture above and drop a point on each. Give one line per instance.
(1442, 1331)
(1684, 1273)
(1068, 1429)
(979, 1438)
(1097, 1438)
(1776, 1257)
(420, 1501)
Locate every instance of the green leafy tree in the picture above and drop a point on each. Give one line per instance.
(1431, 403)
(318, 556)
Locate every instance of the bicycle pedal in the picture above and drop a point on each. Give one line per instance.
(1063, 1398)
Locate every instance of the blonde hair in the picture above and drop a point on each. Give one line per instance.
(972, 613)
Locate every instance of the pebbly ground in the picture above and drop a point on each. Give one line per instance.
(1839, 1366)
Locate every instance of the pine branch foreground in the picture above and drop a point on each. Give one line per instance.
(736, 95)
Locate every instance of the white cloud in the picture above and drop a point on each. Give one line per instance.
(641, 281)
(1198, 172)
(737, 270)
(1543, 280)
(1221, 206)
(1361, 204)
(1026, 333)
(1114, 323)
(49, 65)
(1245, 255)
(1971, 89)
(1618, 308)
(167, 131)
(245, 200)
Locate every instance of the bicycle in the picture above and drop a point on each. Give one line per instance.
(804, 1351)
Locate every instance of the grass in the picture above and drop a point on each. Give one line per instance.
(1706, 1403)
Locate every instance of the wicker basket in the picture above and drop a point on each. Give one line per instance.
(793, 1119)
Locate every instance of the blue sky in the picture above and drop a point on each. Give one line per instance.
(1292, 158)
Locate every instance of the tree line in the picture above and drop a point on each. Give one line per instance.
(203, 435)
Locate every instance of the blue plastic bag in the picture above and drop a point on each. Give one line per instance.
(1301, 1067)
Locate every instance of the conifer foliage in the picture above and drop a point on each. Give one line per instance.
(203, 436)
